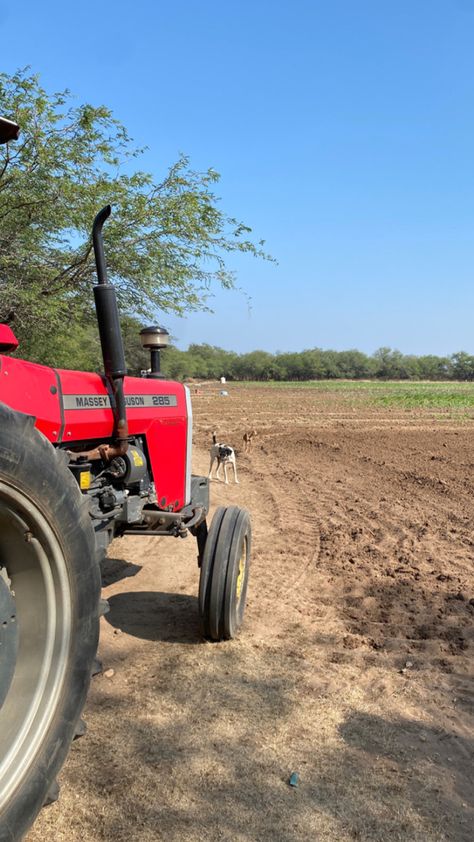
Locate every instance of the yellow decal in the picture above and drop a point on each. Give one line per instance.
(85, 480)
(137, 458)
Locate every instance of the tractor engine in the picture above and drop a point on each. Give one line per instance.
(118, 492)
(146, 486)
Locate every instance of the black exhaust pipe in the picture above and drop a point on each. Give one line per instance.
(109, 328)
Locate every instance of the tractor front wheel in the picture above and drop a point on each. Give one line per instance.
(224, 573)
(49, 597)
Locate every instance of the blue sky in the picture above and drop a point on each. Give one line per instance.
(344, 134)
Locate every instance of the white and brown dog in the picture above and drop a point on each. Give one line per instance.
(224, 455)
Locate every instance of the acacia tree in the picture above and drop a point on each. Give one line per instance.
(166, 241)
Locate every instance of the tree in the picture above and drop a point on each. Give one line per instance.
(166, 241)
(354, 364)
(390, 364)
(257, 365)
(430, 367)
(208, 361)
(462, 366)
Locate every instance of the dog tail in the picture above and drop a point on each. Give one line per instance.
(214, 438)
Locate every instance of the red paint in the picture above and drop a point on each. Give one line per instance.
(8, 340)
(165, 428)
(28, 388)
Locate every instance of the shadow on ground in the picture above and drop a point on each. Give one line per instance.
(114, 569)
(152, 615)
(207, 762)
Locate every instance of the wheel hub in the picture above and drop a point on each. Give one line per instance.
(240, 575)
(8, 637)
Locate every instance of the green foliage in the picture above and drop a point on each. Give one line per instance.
(166, 241)
(207, 362)
(449, 401)
(462, 366)
(69, 345)
(422, 395)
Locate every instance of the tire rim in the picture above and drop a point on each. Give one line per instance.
(241, 574)
(37, 575)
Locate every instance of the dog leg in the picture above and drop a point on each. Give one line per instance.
(235, 472)
(225, 474)
(210, 467)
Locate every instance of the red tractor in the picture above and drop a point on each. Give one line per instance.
(85, 458)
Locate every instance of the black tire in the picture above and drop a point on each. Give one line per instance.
(48, 567)
(224, 573)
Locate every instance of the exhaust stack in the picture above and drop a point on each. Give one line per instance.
(110, 333)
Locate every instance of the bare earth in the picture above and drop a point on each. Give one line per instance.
(354, 666)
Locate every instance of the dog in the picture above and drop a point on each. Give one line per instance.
(247, 439)
(224, 455)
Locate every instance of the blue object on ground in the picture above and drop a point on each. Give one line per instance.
(294, 779)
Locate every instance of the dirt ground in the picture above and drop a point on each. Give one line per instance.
(354, 666)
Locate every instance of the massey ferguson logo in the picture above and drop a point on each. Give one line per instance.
(103, 401)
(89, 402)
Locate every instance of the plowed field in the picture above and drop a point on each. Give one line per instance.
(354, 667)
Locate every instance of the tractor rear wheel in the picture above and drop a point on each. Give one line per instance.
(49, 596)
(224, 573)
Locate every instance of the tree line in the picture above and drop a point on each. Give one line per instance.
(78, 347)
(208, 362)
